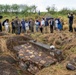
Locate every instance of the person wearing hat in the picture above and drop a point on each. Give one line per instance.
(70, 17)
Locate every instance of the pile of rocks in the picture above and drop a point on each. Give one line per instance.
(33, 58)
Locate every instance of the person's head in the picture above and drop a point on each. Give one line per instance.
(51, 19)
(7, 20)
(43, 19)
(71, 14)
(36, 20)
(26, 20)
(16, 18)
(12, 19)
(58, 19)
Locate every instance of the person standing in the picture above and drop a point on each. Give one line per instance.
(17, 25)
(13, 26)
(32, 25)
(27, 26)
(6, 24)
(59, 25)
(70, 17)
(51, 25)
(56, 24)
(46, 25)
(37, 25)
(42, 24)
(23, 25)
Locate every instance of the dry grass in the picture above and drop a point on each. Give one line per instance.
(63, 40)
(58, 69)
(3, 46)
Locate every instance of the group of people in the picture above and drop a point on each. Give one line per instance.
(19, 26)
(56, 24)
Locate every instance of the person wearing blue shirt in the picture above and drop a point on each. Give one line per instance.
(59, 25)
(23, 25)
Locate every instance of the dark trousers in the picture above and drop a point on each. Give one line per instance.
(41, 29)
(20, 29)
(32, 29)
(17, 30)
(13, 30)
(51, 28)
(70, 27)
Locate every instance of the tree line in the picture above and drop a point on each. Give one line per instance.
(25, 9)
(64, 10)
(17, 8)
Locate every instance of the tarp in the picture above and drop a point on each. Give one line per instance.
(48, 16)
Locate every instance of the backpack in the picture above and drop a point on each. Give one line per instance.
(3, 22)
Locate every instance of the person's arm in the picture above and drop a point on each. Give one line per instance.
(69, 15)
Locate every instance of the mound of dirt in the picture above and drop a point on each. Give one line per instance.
(8, 59)
(7, 69)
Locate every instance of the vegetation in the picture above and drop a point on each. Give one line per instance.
(25, 10)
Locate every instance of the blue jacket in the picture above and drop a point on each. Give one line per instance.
(23, 23)
(46, 23)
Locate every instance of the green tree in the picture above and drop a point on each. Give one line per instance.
(53, 9)
(1, 8)
(33, 8)
(48, 9)
(64, 11)
(15, 8)
(6, 8)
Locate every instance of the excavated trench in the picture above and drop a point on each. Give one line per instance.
(31, 56)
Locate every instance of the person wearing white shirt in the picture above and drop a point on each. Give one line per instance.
(37, 25)
(43, 22)
(6, 24)
(56, 24)
(26, 26)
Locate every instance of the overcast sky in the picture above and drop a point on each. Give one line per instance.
(42, 4)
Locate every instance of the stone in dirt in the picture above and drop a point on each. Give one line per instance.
(70, 67)
(71, 64)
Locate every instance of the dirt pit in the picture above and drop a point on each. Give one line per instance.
(33, 58)
(8, 57)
